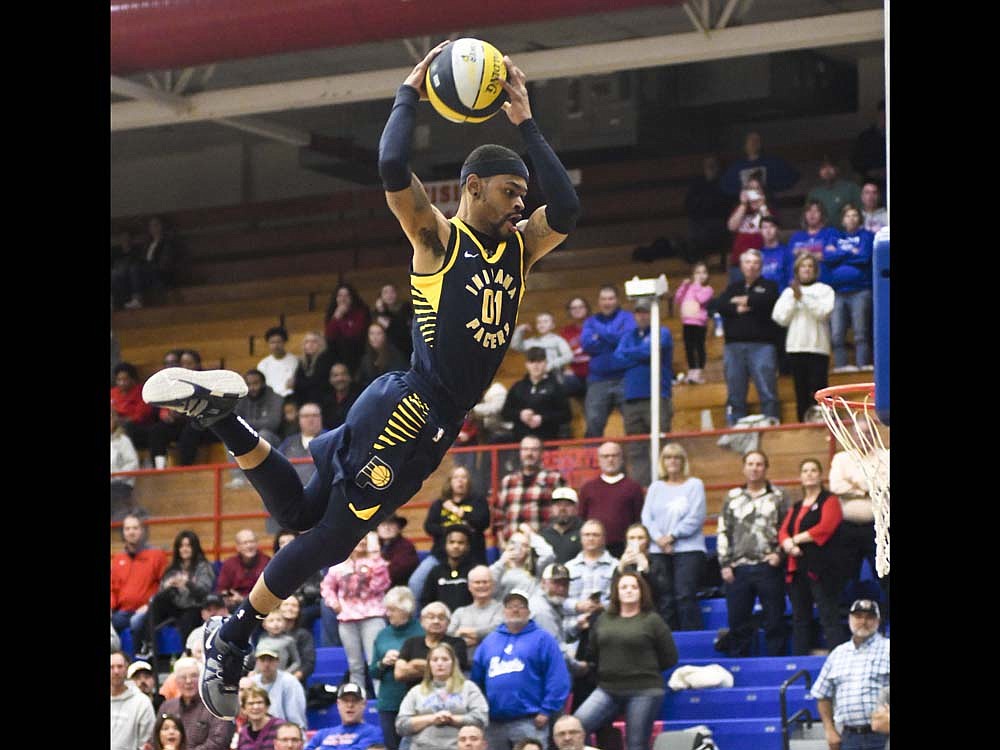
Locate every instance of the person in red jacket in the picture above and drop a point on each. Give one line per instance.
(135, 574)
(240, 572)
(345, 326)
(134, 414)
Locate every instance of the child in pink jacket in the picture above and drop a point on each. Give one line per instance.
(691, 300)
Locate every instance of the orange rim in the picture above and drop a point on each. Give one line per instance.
(835, 396)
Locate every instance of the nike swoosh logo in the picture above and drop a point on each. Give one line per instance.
(470, 255)
(365, 514)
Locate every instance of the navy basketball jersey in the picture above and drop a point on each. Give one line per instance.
(465, 313)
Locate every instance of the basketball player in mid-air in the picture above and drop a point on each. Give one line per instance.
(467, 280)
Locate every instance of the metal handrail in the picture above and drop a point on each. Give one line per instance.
(785, 719)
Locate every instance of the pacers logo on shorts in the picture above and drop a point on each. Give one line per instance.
(376, 474)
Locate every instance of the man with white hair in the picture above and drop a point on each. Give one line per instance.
(475, 621)
(569, 734)
(203, 730)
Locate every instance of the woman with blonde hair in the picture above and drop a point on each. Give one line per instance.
(674, 513)
(311, 382)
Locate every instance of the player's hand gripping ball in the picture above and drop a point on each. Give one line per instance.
(463, 81)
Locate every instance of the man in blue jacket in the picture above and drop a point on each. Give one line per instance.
(600, 336)
(521, 670)
(635, 349)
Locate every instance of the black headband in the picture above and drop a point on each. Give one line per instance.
(491, 167)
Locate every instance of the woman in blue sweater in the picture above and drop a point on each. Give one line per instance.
(847, 267)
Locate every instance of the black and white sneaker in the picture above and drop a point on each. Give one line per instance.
(225, 665)
(204, 395)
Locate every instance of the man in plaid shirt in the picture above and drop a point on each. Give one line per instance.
(849, 684)
(525, 495)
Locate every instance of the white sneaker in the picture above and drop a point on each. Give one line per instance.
(845, 368)
(133, 304)
(867, 368)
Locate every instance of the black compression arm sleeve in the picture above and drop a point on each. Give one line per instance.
(562, 204)
(397, 138)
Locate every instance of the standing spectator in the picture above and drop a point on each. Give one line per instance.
(288, 697)
(261, 729)
(804, 309)
(308, 594)
(635, 349)
(132, 716)
(159, 256)
(691, 300)
(558, 355)
(562, 532)
(123, 256)
(204, 731)
(612, 498)
(521, 562)
(744, 223)
(433, 711)
(185, 584)
(396, 549)
(458, 504)
(868, 154)
(399, 608)
(345, 326)
(168, 734)
(833, 192)
(749, 351)
(475, 621)
(815, 236)
(448, 582)
(412, 660)
(305, 644)
(396, 316)
(810, 537)
(773, 172)
(381, 356)
(546, 606)
(674, 514)
(575, 373)
(134, 415)
(872, 210)
(240, 572)
(521, 670)
(135, 574)
(354, 590)
(352, 733)
(600, 336)
(279, 366)
(123, 458)
(850, 683)
(312, 376)
(629, 649)
(880, 716)
(707, 207)
(590, 573)
(262, 408)
(297, 445)
(750, 559)
(344, 392)
(525, 495)
(537, 403)
(776, 259)
(654, 570)
(847, 268)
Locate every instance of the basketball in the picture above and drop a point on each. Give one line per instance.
(463, 81)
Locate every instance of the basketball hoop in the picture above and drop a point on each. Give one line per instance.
(849, 412)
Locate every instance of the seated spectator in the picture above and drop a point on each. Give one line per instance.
(116, 641)
(288, 697)
(521, 562)
(601, 333)
(691, 302)
(283, 644)
(202, 728)
(773, 172)
(135, 416)
(395, 315)
(744, 223)
(123, 256)
(213, 606)
(575, 373)
(568, 734)
(803, 310)
(475, 621)
(411, 663)
(815, 560)
(833, 192)
(706, 206)
(139, 267)
(526, 493)
(261, 728)
(297, 445)
(472, 737)
(399, 608)
(132, 717)
(123, 458)
(396, 549)
(433, 711)
(629, 649)
(308, 594)
(176, 427)
(590, 572)
(135, 574)
(448, 581)
(289, 418)
(354, 590)
(341, 398)
(312, 376)
(847, 268)
(563, 530)
(352, 733)
(558, 355)
(240, 572)
(169, 734)
(140, 673)
(815, 236)
(262, 408)
(673, 515)
(185, 584)
(381, 356)
(546, 606)
(345, 326)
(537, 404)
(280, 365)
(458, 504)
(305, 644)
(492, 429)
(874, 213)
(612, 498)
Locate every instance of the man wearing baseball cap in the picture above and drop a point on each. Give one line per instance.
(563, 529)
(141, 674)
(352, 733)
(547, 611)
(288, 697)
(852, 678)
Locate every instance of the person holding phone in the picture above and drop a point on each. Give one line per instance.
(655, 569)
(744, 223)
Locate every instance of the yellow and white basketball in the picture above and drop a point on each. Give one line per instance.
(463, 81)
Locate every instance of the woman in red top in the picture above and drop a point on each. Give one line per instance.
(744, 222)
(346, 326)
(810, 537)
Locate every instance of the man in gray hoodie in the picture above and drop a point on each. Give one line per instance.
(132, 717)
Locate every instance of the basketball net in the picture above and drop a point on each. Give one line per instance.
(859, 436)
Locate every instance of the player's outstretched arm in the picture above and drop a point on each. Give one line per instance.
(424, 225)
(548, 225)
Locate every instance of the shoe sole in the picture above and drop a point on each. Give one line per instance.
(201, 681)
(175, 384)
